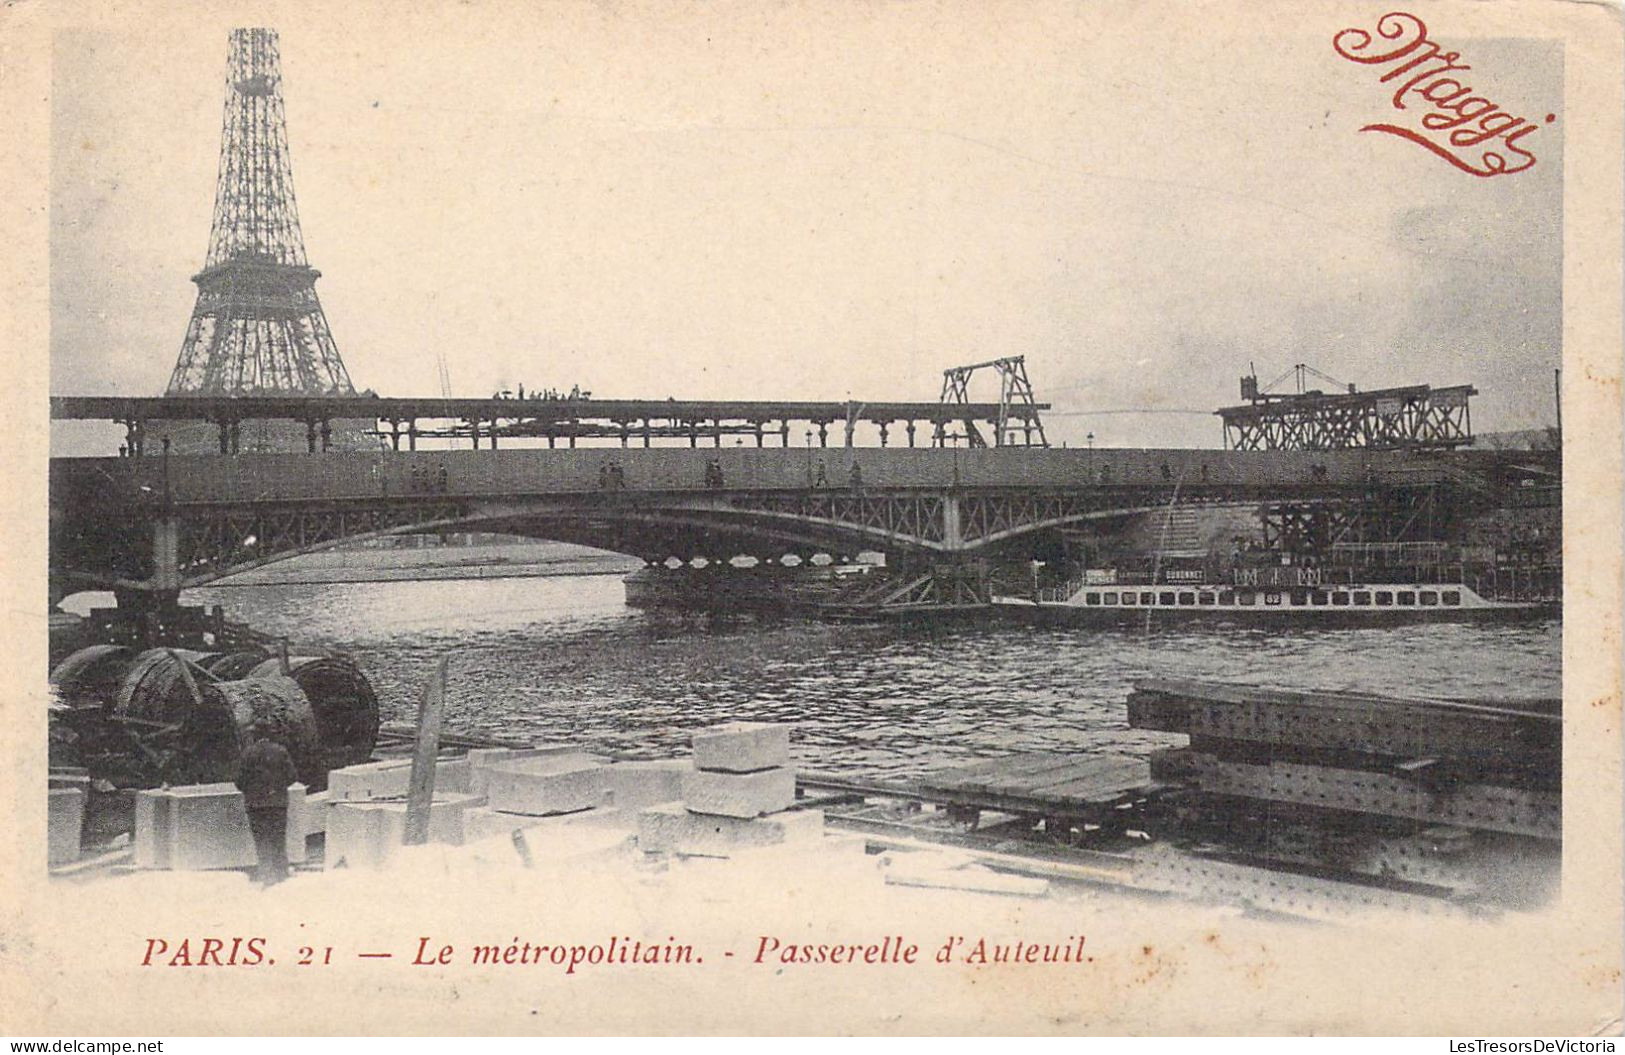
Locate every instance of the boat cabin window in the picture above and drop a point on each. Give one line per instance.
(1128, 598)
(1091, 598)
(1207, 598)
(1429, 597)
(1300, 596)
(1187, 598)
(1147, 597)
(1227, 598)
(1362, 597)
(1406, 597)
(1166, 598)
(1451, 596)
(1320, 597)
(1111, 598)
(1384, 597)
(1246, 597)
(1340, 598)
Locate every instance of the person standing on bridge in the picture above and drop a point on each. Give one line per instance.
(264, 777)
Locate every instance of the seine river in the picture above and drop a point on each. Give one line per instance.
(562, 658)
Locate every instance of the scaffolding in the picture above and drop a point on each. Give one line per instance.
(1417, 417)
(1017, 424)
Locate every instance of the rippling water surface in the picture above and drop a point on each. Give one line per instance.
(563, 658)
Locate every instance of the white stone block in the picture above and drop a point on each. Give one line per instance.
(576, 844)
(543, 786)
(370, 780)
(482, 759)
(635, 786)
(315, 812)
(673, 829)
(199, 826)
(485, 823)
(363, 834)
(294, 835)
(743, 795)
(392, 779)
(65, 817)
(742, 747)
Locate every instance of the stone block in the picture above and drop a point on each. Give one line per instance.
(199, 826)
(365, 834)
(204, 826)
(743, 795)
(543, 786)
(65, 820)
(453, 775)
(294, 838)
(742, 747)
(392, 779)
(484, 823)
(673, 829)
(575, 844)
(315, 812)
(482, 759)
(369, 780)
(635, 786)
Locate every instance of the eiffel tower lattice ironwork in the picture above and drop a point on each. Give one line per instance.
(258, 327)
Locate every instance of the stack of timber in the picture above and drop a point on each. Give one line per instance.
(1455, 798)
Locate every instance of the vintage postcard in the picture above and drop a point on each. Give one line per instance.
(812, 518)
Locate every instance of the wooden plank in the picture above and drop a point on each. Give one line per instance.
(1104, 786)
(1029, 783)
(1021, 779)
(977, 773)
(420, 791)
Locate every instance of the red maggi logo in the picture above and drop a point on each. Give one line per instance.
(1470, 131)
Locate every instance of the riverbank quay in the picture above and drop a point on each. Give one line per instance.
(1420, 809)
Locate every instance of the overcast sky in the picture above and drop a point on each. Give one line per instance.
(746, 202)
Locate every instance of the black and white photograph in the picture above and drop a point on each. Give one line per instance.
(806, 519)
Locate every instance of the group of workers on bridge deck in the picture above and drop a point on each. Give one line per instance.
(551, 395)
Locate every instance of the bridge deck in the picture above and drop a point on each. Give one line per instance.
(562, 411)
(283, 478)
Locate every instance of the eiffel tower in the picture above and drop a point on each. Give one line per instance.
(258, 327)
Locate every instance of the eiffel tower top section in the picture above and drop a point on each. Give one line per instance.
(258, 328)
(255, 214)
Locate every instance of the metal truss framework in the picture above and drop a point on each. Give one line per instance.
(258, 326)
(1417, 417)
(1378, 517)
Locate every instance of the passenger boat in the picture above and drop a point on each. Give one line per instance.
(1258, 591)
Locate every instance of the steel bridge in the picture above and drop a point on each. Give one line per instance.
(149, 527)
(401, 423)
